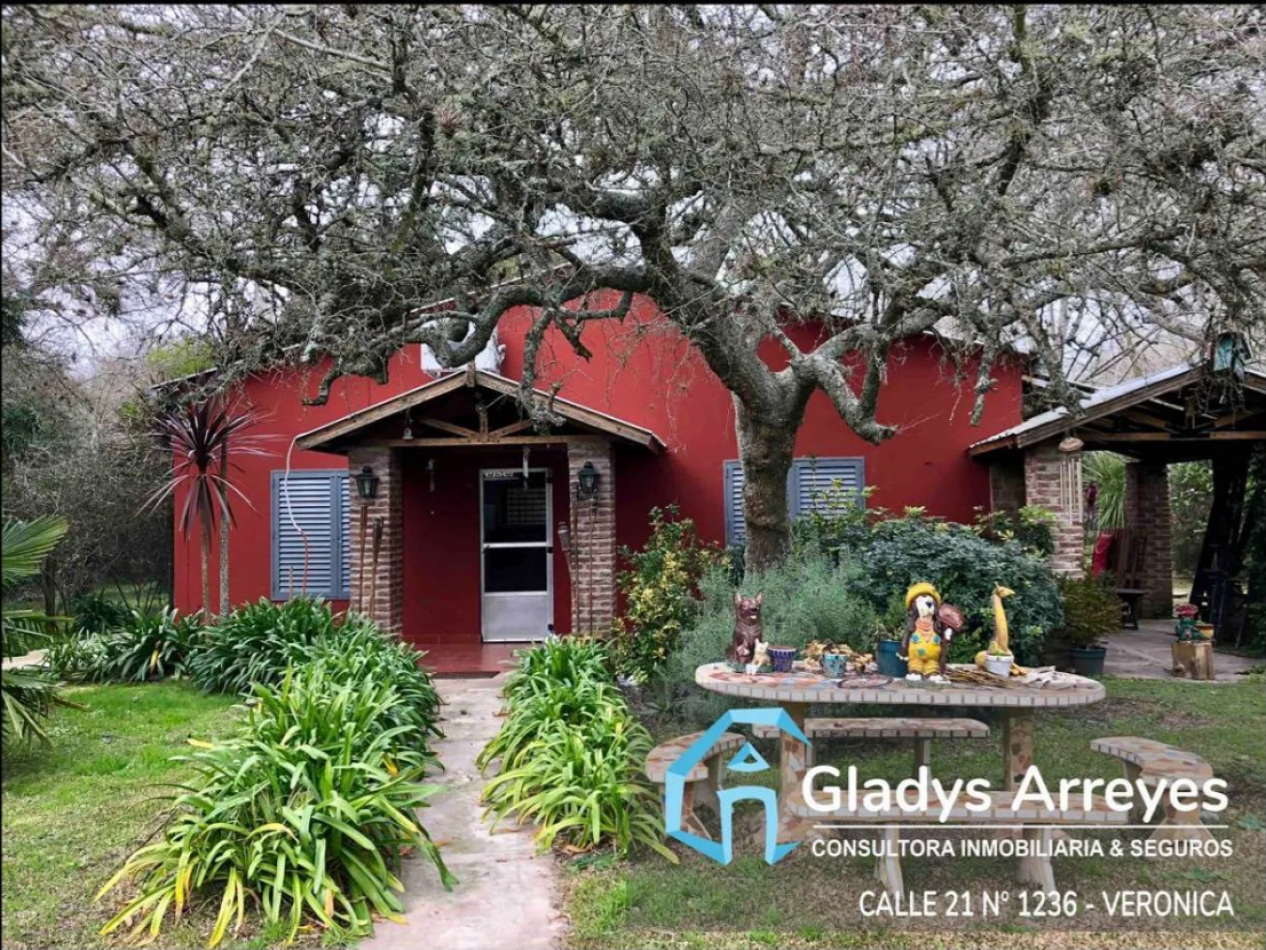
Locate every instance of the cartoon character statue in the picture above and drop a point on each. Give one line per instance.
(747, 629)
(926, 642)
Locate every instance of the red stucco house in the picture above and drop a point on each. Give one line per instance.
(470, 556)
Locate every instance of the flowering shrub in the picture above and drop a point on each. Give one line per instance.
(659, 587)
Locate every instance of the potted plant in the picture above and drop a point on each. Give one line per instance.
(1091, 612)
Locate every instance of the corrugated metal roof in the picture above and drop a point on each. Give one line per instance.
(1098, 398)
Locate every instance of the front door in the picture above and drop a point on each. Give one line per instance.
(517, 566)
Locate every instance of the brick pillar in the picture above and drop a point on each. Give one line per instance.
(592, 540)
(388, 582)
(1006, 484)
(1147, 513)
(1042, 466)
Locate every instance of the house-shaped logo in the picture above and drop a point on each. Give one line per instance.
(747, 760)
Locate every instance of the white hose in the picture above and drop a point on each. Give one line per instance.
(285, 499)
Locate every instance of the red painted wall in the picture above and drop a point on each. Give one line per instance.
(643, 372)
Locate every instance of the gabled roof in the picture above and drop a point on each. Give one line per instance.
(1105, 402)
(334, 436)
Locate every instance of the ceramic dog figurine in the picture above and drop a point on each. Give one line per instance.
(927, 637)
(747, 629)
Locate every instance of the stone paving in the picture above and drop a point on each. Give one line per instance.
(506, 895)
(1145, 654)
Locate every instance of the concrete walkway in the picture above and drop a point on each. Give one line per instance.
(505, 895)
(1145, 654)
(34, 658)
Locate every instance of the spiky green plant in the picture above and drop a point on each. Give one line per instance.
(1107, 471)
(257, 642)
(307, 814)
(199, 436)
(570, 754)
(148, 646)
(29, 694)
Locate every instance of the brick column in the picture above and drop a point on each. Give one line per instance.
(1042, 464)
(1147, 513)
(592, 540)
(388, 582)
(1006, 485)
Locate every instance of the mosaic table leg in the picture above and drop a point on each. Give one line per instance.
(1017, 747)
(793, 763)
(1017, 756)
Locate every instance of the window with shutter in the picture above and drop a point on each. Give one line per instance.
(310, 534)
(809, 485)
(826, 485)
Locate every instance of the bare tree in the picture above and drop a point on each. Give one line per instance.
(1053, 177)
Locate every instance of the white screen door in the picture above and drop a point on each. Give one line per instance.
(517, 571)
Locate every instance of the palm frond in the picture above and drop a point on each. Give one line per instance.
(26, 544)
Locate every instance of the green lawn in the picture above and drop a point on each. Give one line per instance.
(813, 901)
(73, 812)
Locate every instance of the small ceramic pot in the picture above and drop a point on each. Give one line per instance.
(782, 658)
(999, 665)
(834, 665)
(887, 660)
(1204, 631)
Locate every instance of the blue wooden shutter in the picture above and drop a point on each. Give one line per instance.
(735, 529)
(811, 477)
(316, 502)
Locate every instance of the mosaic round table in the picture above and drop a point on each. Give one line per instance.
(796, 690)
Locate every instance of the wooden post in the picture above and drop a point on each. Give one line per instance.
(360, 587)
(1193, 659)
(373, 582)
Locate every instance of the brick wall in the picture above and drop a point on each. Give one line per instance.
(388, 582)
(1006, 484)
(592, 540)
(1147, 513)
(1042, 466)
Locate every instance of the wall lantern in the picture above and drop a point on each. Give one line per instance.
(587, 481)
(1230, 354)
(367, 484)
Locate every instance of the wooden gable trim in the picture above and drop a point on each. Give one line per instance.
(606, 425)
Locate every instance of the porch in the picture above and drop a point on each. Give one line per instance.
(472, 532)
(1188, 412)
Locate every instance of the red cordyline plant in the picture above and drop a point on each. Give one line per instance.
(199, 436)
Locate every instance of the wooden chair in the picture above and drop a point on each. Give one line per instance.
(1126, 564)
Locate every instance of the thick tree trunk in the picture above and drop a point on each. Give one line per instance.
(766, 445)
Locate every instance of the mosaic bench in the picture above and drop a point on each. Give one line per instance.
(1030, 819)
(922, 731)
(704, 780)
(1151, 762)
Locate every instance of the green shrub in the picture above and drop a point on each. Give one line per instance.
(307, 813)
(658, 586)
(257, 642)
(808, 597)
(965, 569)
(358, 652)
(149, 646)
(1092, 610)
(582, 784)
(78, 659)
(95, 613)
(1032, 526)
(571, 754)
